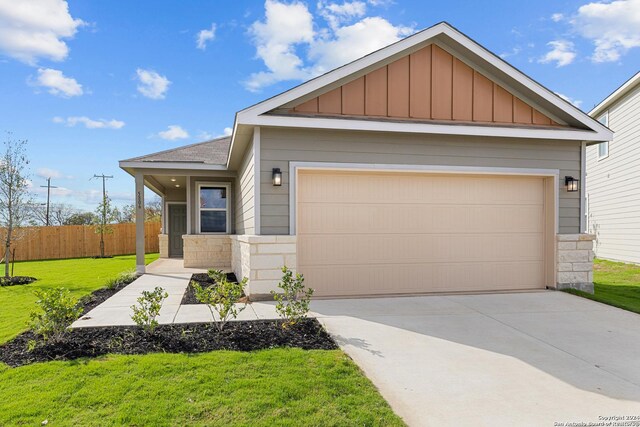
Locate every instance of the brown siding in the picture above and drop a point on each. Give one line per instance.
(398, 74)
(462, 91)
(428, 84)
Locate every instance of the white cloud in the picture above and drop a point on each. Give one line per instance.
(57, 83)
(293, 47)
(152, 85)
(51, 173)
(227, 131)
(335, 13)
(205, 36)
(173, 133)
(575, 102)
(557, 17)
(90, 123)
(613, 27)
(33, 29)
(562, 53)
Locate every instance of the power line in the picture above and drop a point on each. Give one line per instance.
(49, 187)
(104, 209)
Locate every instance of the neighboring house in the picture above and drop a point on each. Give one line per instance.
(613, 176)
(430, 165)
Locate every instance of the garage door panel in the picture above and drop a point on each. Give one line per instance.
(390, 188)
(335, 218)
(364, 233)
(395, 249)
(415, 278)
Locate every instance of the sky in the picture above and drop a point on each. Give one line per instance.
(88, 83)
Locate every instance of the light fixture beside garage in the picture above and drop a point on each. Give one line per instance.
(571, 183)
(276, 177)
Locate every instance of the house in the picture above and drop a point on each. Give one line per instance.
(613, 176)
(430, 165)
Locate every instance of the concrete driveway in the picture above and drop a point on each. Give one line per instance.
(520, 359)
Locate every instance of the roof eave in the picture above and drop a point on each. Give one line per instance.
(625, 88)
(127, 164)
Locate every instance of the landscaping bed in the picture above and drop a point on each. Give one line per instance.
(308, 334)
(16, 280)
(205, 281)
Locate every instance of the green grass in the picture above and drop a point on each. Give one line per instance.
(81, 276)
(284, 387)
(616, 284)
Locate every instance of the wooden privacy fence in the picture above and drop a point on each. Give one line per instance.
(76, 241)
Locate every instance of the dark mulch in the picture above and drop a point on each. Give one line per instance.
(16, 280)
(205, 281)
(177, 338)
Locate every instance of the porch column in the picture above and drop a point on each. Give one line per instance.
(139, 223)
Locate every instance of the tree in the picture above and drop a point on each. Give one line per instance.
(59, 214)
(105, 216)
(15, 200)
(81, 218)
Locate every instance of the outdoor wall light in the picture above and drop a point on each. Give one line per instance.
(276, 177)
(571, 183)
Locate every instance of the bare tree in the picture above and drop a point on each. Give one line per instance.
(15, 200)
(59, 214)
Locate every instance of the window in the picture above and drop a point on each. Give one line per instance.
(603, 147)
(213, 208)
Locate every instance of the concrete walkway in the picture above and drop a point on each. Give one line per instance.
(522, 359)
(173, 278)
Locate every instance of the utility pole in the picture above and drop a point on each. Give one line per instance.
(104, 209)
(49, 187)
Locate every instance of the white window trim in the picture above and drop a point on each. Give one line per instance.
(227, 186)
(606, 123)
(294, 167)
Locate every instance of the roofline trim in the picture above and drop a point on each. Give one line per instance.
(571, 134)
(169, 165)
(615, 95)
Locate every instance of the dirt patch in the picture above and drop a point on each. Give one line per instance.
(176, 338)
(16, 280)
(205, 281)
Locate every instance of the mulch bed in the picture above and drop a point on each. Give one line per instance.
(16, 280)
(205, 281)
(177, 338)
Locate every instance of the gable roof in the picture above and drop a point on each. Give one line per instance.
(617, 94)
(214, 152)
(579, 126)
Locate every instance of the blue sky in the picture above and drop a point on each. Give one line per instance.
(88, 83)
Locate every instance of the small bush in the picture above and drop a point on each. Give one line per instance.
(148, 308)
(57, 310)
(121, 279)
(221, 298)
(293, 303)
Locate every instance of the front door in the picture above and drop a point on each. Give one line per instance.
(177, 228)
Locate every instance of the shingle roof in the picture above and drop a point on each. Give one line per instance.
(212, 152)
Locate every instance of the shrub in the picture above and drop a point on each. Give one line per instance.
(221, 297)
(121, 279)
(57, 310)
(293, 303)
(217, 275)
(148, 308)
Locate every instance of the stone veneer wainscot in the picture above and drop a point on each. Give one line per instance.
(575, 261)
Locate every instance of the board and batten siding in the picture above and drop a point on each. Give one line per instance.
(613, 185)
(244, 194)
(279, 146)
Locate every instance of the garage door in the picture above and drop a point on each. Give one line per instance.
(370, 233)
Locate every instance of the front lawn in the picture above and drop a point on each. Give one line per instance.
(285, 387)
(616, 284)
(81, 276)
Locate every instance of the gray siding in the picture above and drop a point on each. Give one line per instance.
(279, 146)
(613, 185)
(244, 194)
